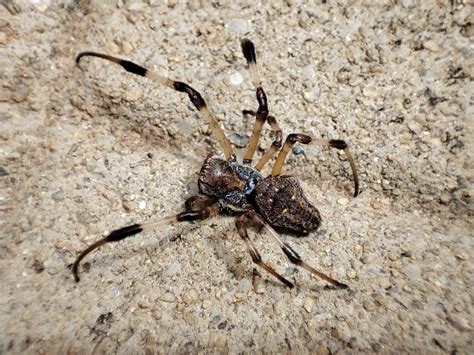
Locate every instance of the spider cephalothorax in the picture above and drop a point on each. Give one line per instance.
(229, 187)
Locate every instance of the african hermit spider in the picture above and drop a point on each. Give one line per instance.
(228, 187)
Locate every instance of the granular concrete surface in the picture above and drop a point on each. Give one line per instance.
(88, 150)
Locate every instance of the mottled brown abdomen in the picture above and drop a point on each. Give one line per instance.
(282, 202)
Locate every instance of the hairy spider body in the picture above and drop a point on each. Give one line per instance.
(239, 188)
(281, 200)
(229, 187)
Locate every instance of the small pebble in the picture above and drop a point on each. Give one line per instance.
(219, 340)
(116, 291)
(351, 273)
(310, 96)
(308, 72)
(190, 297)
(143, 304)
(258, 285)
(3, 38)
(238, 140)
(413, 272)
(337, 333)
(297, 150)
(238, 25)
(127, 48)
(236, 78)
(445, 198)
(136, 6)
(41, 5)
(461, 256)
(431, 46)
(132, 94)
(308, 304)
(168, 297)
(206, 304)
(368, 305)
(402, 316)
(381, 300)
(343, 201)
(239, 296)
(239, 271)
(407, 3)
(393, 256)
(20, 94)
(127, 205)
(58, 195)
(414, 126)
(85, 217)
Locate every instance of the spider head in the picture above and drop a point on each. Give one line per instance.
(217, 178)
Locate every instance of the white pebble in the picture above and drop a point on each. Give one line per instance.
(116, 291)
(309, 96)
(351, 273)
(127, 47)
(41, 5)
(189, 297)
(308, 304)
(407, 3)
(312, 95)
(308, 72)
(236, 78)
(238, 25)
(168, 297)
(413, 272)
(142, 204)
(343, 201)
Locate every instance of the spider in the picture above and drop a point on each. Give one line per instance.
(227, 187)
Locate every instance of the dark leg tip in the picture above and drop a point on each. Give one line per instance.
(76, 277)
(249, 50)
(78, 59)
(342, 286)
(288, 283)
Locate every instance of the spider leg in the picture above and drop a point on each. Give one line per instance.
(122, 233)
(262, 112)
(241, 224)
(202, 200)
(276, 144)
(292, 254)
(194, 96)
(305, 139)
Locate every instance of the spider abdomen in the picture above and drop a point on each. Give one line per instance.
(282, 202)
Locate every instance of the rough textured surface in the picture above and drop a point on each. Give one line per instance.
(87, 151)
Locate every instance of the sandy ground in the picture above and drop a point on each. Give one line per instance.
(86, 151)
